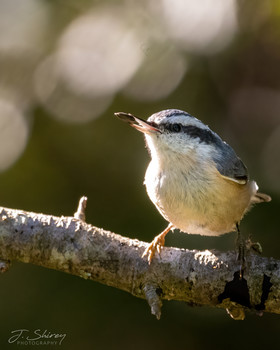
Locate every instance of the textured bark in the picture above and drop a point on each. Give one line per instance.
(196, 277)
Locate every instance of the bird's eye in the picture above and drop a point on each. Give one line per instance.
(176, 127)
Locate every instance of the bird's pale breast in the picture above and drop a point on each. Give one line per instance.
(197, 202)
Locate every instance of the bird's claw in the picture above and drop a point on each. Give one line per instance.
(155, 245)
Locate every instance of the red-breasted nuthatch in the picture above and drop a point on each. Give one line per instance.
(195, 179)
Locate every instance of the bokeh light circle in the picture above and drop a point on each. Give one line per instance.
(13, 134)
(98, 53)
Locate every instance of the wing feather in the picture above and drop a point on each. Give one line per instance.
(229, 165)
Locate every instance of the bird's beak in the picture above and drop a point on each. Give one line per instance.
(138, 123)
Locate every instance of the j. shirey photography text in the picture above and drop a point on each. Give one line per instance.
(35, 337)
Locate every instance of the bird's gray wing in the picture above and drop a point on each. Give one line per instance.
(229, 164)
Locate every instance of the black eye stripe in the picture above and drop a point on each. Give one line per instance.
(204, 135)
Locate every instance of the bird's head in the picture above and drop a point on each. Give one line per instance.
(173, 131)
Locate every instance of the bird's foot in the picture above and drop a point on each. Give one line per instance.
(156, 244)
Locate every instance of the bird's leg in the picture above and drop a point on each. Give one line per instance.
(241, 251)
(156, 244)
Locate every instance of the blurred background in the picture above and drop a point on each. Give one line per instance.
(65, 68)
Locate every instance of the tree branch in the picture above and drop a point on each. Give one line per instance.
(70, 245)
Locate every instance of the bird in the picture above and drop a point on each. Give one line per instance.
(195, 179)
